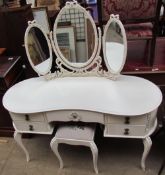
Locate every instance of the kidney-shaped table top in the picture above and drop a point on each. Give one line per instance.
(128, 95)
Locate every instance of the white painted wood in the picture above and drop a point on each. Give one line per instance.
(75, 135)
(115, 130)
(25, 129)
(54, 146)
(137, 131)
(35, 117)
(95, 155)
(75, 115)
(150, 128)
(128, 96)
(32, 126)
(90, 98)
(18, 139)
(147, 146)
(115, 119)
(152, 118)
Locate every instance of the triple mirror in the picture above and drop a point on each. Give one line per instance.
(76, 43)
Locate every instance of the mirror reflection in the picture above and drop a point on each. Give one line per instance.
(38, 50)
(75, 36)
(114, 46)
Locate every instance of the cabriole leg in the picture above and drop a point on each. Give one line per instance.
(18, 139)
(147, 146)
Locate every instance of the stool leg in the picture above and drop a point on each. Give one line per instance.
(54, 146)
(94, 150)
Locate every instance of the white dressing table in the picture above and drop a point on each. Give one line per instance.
(126, 107)
(84, 91)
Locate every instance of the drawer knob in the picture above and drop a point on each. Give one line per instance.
(126, 131)
(27, 117)
(127, 120)
(31, 128)
(75, 117)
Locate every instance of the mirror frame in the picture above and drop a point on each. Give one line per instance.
(70, 65)
(33, 24)
(114, 18)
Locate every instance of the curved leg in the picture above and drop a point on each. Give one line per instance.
(18, 139)
(95, 155)
(54, 146)
(147, 146)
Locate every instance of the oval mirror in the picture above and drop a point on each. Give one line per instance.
(114, 45)
(75, 35)
(38, 49)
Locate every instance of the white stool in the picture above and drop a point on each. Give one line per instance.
(75, 135)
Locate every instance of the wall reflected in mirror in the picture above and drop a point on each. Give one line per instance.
(38, 49)
(114, 46)
(75, 36)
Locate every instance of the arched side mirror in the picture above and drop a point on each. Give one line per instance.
(38, 49)
(114, 45)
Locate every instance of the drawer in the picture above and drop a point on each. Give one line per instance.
(132, 120)
(32, 126)
(35, 117)
(124, 130)
(75, 115)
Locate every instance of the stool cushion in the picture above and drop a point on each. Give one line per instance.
(76, 132)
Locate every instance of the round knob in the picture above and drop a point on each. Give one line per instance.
(75, 117)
